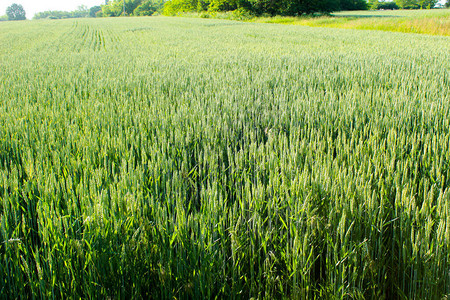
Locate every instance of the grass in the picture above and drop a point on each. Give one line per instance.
(193, 158)
(433, 22)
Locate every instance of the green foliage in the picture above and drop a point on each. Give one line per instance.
(175, 158)
(241, 14)
(416, 4)
(299, 7)
(387, 5)
(447, 4)
(174, 7)
(52, 14)
(222, 5)
(132, 7)
(427, 3)
(261, 7)
(148, 8)
(81, 12)
(353, 5)
(403, 4)
(112, 9)
(270, 6)
(202, 5)
(372, 4)
(287, 7)
(94, 10)
(4, 18)
(15, 12)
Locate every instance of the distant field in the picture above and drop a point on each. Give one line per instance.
(197, 159)
(435, 21)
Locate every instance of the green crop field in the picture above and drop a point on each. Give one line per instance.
(196, 158)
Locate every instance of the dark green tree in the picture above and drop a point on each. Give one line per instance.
(447, 4)
(258, 7)
(354, 5)
(299, 7)
(15, 12)
(94, 10)
(272, 7)
(131, 5)
(387, 5)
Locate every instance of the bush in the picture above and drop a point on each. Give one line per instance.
(387, 5)
(205, 15)
(242, 14)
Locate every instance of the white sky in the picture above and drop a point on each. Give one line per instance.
(33, 6)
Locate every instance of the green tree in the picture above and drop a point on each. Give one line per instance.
(94, 10)
(372, 4)
(131, 5)
(387, 5)
(15, 12)
(427, 3)
(299, 7)
(222, 5)
(116, 8)
(81, 12)
(353, 5)
(447, 4)
(112, 9)
(148, 8)
(175, 6)
(268, 6)
(273, 7)
(407, 4)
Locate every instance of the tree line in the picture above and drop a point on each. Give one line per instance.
(256, 7)
(404, 4)
(109, 9)
(292, 7)
(81, 12)
(117, 8)
(130, 8)
(259, 7)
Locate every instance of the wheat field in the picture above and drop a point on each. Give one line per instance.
(195, 158)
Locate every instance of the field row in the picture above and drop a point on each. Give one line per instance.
(172, 157)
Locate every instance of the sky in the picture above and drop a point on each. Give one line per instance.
(33, 6)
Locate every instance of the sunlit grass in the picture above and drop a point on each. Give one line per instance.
(182, 158)
(434, 22)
